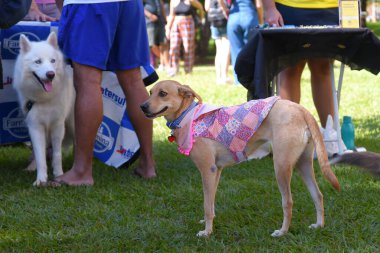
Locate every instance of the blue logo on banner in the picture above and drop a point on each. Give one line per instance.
(10, 38)
(13, 128)
(106, 139)
(116, 99)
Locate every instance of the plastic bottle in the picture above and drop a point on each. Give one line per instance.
(348, 133)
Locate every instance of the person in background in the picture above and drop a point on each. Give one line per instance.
(164, 54)
(111, 36)
(307, 13)
(181, 30)
(43, 10)
(155, 19)
(219, 33)
(242, 17)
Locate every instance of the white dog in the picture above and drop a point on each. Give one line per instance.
(46, 95)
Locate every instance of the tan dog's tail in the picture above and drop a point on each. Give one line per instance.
(321, 151)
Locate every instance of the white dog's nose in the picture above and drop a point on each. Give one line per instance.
(50, 75)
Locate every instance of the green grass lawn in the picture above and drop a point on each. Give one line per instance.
(375, 27)
(123, 213)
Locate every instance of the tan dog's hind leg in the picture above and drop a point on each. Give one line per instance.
(287, 148)
(306, 171)
(283, 172)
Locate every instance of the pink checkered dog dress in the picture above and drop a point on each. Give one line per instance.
(231, 126)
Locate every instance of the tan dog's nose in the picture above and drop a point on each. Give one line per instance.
(145, 107)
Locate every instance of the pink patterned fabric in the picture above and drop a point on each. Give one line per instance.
(231, 126)
(183, 135)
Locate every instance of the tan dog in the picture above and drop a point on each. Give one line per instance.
(290, 128)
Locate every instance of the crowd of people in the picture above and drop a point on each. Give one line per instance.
(155, 32)
(230, 24)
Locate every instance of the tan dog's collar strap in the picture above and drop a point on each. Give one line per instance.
(175, 124)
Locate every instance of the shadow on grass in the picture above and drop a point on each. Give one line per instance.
(367, 133)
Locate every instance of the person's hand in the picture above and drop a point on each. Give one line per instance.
(274, 18)
(226, 12)
(37, 15)
(153, 18)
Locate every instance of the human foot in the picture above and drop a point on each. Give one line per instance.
(73, 178)
(146, 168)
(145, 173)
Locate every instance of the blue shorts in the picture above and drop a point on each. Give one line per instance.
(308, 17)
(218, 32)
(109, 36)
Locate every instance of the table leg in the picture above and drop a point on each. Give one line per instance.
(340, 81)
(336, 107)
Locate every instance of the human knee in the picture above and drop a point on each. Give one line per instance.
(129, 77)
(319, 67)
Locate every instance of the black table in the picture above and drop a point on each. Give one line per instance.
(271, 50)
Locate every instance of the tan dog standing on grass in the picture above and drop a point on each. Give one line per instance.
(290, 128)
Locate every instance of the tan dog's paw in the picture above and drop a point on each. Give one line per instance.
(315, 226)
(278, 233)
(204, 233)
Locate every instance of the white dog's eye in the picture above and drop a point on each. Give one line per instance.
(162, 93)
(38, 61)
(52, 60)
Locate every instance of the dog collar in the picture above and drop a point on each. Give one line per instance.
(175, 124)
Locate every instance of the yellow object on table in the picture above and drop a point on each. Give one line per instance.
(349, 13)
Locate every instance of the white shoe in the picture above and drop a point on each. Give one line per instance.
(161, 68)
(171, 72)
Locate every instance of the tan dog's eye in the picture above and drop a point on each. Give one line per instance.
(162, 94)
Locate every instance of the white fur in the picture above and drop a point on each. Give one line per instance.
(52, 114)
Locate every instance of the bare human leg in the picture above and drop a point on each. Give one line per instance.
(290, 83)
(135, 94)
(164, 55)
(321, 88)
(88, 116)
(218, 60)
(225, 59)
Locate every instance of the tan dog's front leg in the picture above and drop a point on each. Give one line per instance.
(210, 180)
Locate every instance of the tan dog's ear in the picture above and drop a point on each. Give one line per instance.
(186, 92)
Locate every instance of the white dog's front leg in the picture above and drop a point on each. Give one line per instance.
(38, 138)
(56, 141)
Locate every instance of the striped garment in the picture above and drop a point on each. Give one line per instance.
(182, 32)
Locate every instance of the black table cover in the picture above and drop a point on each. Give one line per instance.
(269, 51)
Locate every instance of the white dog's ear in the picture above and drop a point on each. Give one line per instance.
(52, 40)
(24, 44)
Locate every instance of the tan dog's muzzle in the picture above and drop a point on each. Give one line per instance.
(145, 107)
